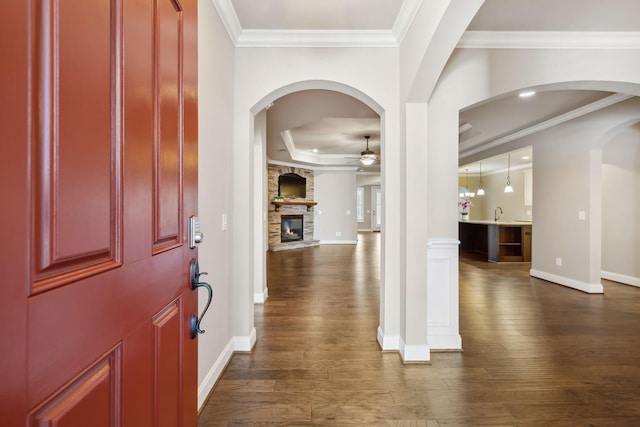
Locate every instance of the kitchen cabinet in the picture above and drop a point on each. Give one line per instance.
(500, 241)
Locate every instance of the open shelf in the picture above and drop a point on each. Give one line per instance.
(500, 242)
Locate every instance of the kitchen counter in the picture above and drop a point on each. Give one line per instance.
(500, 241)
(498, 222)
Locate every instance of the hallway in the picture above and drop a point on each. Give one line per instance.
(535, 354)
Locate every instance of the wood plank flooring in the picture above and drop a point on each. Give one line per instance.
(535, 353)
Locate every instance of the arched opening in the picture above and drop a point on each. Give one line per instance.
(277, 122)
(566, 171)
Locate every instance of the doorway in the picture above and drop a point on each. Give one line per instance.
(376, 208)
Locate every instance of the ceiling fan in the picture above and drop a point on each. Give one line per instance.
(368, 157)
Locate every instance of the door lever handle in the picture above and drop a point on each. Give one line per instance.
(194, 276)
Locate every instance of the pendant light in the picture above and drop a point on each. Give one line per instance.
(368, 157)
(508, 188)
(480, 191)
(467, 193)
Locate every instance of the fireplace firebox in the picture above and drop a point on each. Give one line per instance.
(291, 228)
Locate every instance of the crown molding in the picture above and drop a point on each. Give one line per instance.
(316, 38)
(319, 159)
(549, 40)
(405, 18)
(229, 18)
(562, 118)
(311, 167)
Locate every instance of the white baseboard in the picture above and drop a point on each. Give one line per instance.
(261, 297)
(214, 373)
(364, 229)
(338, 242)
(445, 342)
(620, 278)
(244, 343)
(389, 342)
(590, 288)
(414, 353)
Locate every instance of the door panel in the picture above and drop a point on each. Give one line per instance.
(168, 66)
(92, 396)
(76, 148)
(167, 361)
(94, 312)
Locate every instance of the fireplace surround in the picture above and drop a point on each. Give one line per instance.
(282, 207)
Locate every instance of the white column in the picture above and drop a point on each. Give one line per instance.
(442, 294)
(414, 299)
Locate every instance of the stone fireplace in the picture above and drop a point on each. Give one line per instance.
(291, 219)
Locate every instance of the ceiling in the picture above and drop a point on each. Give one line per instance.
(327, 128)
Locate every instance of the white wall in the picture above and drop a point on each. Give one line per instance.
(215, 133)
(260, 220)
(335, 192)
(621, 207)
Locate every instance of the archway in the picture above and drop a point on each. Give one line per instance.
(259, 162)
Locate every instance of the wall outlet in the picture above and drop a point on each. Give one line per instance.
(559, 262)
(224, 222)
(348, 212)
(582, 215)
(338, 234)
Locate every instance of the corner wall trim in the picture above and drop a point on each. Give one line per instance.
(244, 343)
(338, 242)
(414, 353)
(590, 288)
(204, 388)
(445, 342)
(261, 297)
(620, 278)
(389, 342)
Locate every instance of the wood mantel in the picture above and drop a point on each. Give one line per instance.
(307, 203)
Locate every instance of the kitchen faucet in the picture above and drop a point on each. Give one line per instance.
(495, 213)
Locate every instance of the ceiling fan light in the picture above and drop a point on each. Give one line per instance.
(368, 159)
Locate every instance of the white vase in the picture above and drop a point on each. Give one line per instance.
(465, 216)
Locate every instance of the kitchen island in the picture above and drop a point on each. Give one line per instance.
(500, 241)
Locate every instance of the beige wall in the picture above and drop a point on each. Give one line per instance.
(621, 207)
(215, 133)
(567, 181)
(512, 204)
(336, 210)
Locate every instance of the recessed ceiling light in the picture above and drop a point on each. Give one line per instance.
(315, 150)
(526, 93)
(525, 157)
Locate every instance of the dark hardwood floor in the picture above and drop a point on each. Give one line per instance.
(535, 353)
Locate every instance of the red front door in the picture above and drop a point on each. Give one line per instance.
(98, 172)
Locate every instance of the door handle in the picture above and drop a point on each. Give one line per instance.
(194, 276)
